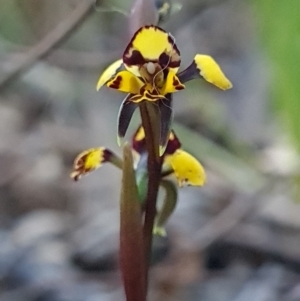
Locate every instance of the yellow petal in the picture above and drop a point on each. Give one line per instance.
(88, 161)
(151, 43)
(211, 71)
(187, 168)
(127, 82)
(108, 73)
(172, 84)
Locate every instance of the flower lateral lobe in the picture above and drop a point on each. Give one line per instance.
(172, 84)
(88, 161)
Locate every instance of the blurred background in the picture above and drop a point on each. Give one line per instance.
(237, 238)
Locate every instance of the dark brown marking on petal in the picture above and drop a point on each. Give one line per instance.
(75, 176)
(138, 145)
(174, 54)
(116, 83)
(129, 51)
(154, 92)
(134, 59)
(130, 45)
(173, 144)
(174, 64)
(150, 96)
(171, 40)
(142, 90)
(79, 162)
(177, 84)
(79, 168)
(106, 155)
(164, 60)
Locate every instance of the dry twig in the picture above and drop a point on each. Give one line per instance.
(60, 33)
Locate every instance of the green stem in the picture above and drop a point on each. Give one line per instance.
(151, 124)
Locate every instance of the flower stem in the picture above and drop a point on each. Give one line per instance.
(116, 161)
(151, 124)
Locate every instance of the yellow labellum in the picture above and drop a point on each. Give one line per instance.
(187, 168)
(146, 96)
(212, 72)
(108, 73)
(172, 84)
